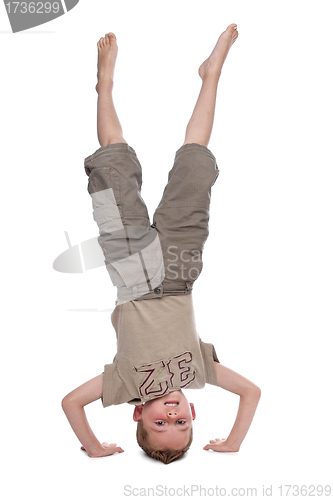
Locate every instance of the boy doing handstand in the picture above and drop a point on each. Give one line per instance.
(154, 266)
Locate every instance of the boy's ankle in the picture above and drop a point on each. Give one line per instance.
(104, 84)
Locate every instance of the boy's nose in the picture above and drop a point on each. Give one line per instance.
(172, 413)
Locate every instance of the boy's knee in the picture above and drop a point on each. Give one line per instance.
(112, 140)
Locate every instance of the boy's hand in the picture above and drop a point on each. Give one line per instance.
(105, 450)
(249, 396)
(219, 445)
(73, 406)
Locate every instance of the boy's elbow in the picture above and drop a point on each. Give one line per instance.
(255, 392)
(67, 402)
(64, 403)
(251, 391)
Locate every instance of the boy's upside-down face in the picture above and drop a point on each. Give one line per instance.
(167, 420)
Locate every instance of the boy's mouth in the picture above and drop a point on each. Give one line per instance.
(171, 403)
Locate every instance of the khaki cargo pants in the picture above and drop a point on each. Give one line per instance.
(148, 260)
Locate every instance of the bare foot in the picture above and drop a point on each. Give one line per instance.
(215, 61)
(107, 55)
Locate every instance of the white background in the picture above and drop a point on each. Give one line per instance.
(265, 296)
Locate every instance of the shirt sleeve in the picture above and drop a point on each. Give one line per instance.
(114, 389)
(209, 356)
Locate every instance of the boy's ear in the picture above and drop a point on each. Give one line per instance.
(137, 413)
(193, 411)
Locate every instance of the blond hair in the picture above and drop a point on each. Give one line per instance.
(165, 456)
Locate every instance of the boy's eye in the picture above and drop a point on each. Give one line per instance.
(161, 422)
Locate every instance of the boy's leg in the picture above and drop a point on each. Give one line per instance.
(182, 216)
(200, 125)
(131, 247)
(109, 130)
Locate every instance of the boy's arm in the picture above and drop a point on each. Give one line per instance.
(249, 398)
(73, 406)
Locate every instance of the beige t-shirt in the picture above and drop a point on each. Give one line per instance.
(158, 351)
